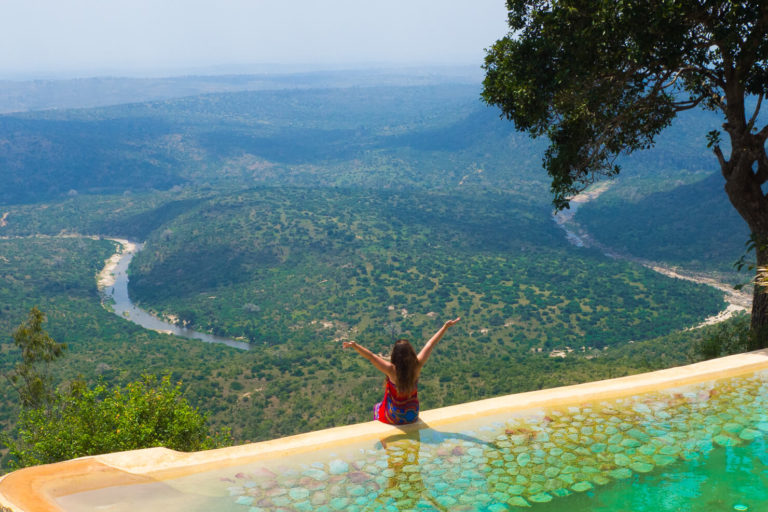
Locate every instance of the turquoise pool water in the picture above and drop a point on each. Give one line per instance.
(698, 448)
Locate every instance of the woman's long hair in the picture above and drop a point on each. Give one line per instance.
(406, 366)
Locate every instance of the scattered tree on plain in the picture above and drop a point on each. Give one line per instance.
(31, 377)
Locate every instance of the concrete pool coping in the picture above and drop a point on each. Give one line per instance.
(35, 489)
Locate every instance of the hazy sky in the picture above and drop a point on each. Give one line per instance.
(49, 37)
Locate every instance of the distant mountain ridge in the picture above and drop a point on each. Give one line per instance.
(36, 95)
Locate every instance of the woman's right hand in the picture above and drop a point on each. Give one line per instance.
(347, 344)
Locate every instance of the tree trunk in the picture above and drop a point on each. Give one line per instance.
(759, 323)
(745, 193)
(743, 185)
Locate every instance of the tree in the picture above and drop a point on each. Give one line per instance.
(602, 78)
(31, 377)
(89, 421)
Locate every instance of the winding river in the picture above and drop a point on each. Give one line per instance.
(113, 282)
(738, 300)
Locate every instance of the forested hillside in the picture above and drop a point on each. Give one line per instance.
(426, 137)
(692, 225)
(262, 263)
(274, 389)
(296, 218)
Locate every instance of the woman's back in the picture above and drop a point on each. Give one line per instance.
(397, 408)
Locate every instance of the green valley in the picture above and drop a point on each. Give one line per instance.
(294, 219)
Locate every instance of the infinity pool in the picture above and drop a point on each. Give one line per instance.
(699, 447)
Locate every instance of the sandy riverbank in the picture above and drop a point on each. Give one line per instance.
(106, 277)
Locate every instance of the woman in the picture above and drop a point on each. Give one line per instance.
(401, 402)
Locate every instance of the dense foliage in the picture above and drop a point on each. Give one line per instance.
(727, 339)
(89, 421)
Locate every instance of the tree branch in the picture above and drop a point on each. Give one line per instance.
(10, 378)
(720, 158)
(752, 120)
(687, 105)
(675, 76)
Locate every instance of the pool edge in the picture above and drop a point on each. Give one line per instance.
(30, 489)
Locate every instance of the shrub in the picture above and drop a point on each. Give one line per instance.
(90, 421)
(725, 339)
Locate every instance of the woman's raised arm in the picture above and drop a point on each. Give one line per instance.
(427, 350)
(379, 362)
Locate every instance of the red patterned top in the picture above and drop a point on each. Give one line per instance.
(396, 408)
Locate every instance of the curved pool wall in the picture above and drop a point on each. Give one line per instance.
(515, 450)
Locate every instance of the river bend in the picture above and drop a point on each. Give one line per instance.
(113, 283)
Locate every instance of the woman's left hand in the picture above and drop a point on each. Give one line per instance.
(451, 323)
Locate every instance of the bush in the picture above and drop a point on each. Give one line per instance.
(85, 421)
